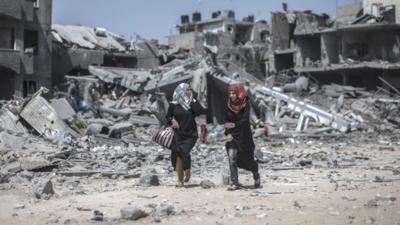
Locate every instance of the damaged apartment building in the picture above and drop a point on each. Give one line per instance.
(25, 46)
(360, 48)
(235, 43)
(80, 50)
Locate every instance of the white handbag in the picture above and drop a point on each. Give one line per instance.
(164, 137)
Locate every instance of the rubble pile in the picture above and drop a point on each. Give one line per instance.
(113, 138)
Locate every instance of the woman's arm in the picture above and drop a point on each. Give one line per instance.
(197, 109)
(170, 114)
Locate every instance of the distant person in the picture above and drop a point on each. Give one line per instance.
(239, 139)
(181, 116)
(74, 94)
(92, 98)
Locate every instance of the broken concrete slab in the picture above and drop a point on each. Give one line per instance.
(38, 113)
(10, 142)
(9, 121)
(34, 163)
(63, 108)
(132, 79)
(132, 213)
(44, 190)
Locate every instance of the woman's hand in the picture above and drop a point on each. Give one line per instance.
(229, 125)
(175, 124)
(228, 138)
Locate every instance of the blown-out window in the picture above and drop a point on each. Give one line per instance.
(29, 87)
(6, 38)
(31, 42)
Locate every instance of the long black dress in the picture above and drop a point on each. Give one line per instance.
(186, 135)
(242, 138)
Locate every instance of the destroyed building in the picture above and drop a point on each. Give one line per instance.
(284, 26)
(25, 46)
(239, 43)
(75, 48)
(361, 48)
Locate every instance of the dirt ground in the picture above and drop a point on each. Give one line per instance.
(365, 191)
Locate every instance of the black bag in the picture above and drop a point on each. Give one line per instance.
(164, 137)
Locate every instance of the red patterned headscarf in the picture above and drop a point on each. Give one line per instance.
(241, 99)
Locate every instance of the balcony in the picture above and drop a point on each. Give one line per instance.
(11, 9)
(9, 58)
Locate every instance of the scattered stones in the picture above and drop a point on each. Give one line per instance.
(132, 213)
(296, 205)
(98, 216)
(206, 184)
(149, 180)
(44, 190)
(164, 210)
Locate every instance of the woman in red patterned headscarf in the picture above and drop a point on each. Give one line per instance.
(239, 139)
(237, 97)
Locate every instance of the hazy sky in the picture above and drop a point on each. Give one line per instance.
(157, 18)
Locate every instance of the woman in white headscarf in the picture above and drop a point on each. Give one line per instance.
(181, 113)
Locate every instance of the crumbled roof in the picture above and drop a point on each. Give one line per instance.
(86, 37)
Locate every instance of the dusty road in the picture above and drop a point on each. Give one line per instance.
(363, 189)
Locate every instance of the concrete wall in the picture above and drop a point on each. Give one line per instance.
(64, 60)
(347, 13)
(11, 8)
(186, 40)
(34, 67)
(280, 30)
(308, 47)
(329, 48)
(10, 59)
(380, 45)
(212, 27)
(367, 6)
(148, 58)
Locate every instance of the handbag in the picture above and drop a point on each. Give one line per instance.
(164, 137)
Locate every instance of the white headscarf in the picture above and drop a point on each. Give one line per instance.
(180, 96)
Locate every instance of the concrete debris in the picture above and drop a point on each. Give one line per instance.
(44, 190)
(149, 180)
(98, 216)
(85, 37)
(41, 116)
(133, 213)
(9, 121)
(206, 184)
(63, 108)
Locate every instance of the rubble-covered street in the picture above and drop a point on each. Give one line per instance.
(325, 119)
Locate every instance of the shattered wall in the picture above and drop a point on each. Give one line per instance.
(309, 23)
(367, 6)
(260, 32)
(148, 57)
(372, 45)
(67, 59)
(280, 30)
(309, 50)
(189, 41)
(329, 48)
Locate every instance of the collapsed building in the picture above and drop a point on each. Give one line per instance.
(25, 47)
(75, 48)
(361, 48)
(239, 43)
